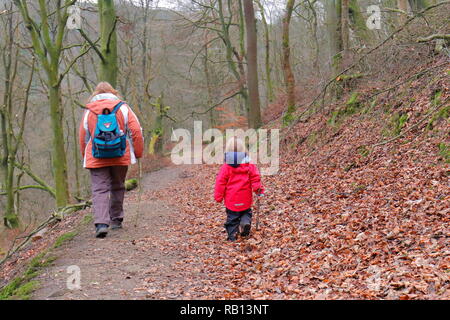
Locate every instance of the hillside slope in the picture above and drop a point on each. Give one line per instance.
(345, 217)
(359, 210)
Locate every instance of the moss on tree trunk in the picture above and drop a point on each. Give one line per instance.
(108, 42)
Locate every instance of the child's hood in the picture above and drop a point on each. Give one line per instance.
(235, 159)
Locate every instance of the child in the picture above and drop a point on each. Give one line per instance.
(235, 183)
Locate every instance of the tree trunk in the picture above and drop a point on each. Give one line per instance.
(345, 32)
(333, 25)
(230, 52)
(316, 44)
(4, 151)
(268, 68)
(108, 42)
(156, 144)
(48, 47)
(417, 5)
(76, 152)
(10, 219)
(333, 12)
(254, 115)
(402, 5)
(359, 22)
(59, 160)
(208, 81)
(289, 79)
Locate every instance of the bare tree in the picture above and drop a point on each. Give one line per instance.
(108, 42)
(289, 78)
(254, 114)
(48, 47)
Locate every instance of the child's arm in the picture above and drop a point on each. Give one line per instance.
(255, 180)
(221, 183)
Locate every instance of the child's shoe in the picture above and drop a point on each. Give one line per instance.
(245, 230)
(232, 237)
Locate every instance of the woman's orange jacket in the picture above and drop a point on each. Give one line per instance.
(128, 122)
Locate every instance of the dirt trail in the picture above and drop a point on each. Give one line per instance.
(116, 267)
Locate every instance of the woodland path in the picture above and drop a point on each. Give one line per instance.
(116, 267)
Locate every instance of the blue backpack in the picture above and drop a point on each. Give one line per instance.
(109, 141)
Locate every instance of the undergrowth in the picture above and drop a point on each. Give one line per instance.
(21, 287)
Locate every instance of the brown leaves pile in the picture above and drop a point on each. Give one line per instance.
(336, 223)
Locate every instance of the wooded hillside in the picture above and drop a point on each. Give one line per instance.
(358, 89)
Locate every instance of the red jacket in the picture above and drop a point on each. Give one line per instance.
(235, 183)
(135, 140)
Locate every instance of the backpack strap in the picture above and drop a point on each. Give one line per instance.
(117, 107)
(125, 115)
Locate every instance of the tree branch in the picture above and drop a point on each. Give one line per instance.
(84, 35)
(434, 37)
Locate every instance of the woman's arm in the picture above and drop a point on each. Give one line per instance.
(136, 133)
(83, 133)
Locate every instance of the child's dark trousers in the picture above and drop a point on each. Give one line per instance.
(236, 218)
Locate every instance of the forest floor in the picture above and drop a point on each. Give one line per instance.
(116, 267)
(358, 210)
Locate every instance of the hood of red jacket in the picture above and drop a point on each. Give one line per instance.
(235, 159)
(98, 106)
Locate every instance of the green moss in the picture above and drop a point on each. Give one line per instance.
(9, 289)
(396, 124)
(387, 108)
(22, 286)
(64, 238)
(349, 167)
(288, 118)
(348, 77)
(337, 60)
(352, 106)
(11, 220)
(436, 99)
(358, 187)
(363, 151)
(444, 151)
(441, 114)
(25, 290)
(359, 21)
(87, 219)
(400, 122)
(131, 184)
(312, 139)
(370, 107)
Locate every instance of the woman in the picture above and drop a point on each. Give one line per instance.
(105, 111)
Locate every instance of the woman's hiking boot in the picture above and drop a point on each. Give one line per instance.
(116, 224)
(101, 230)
